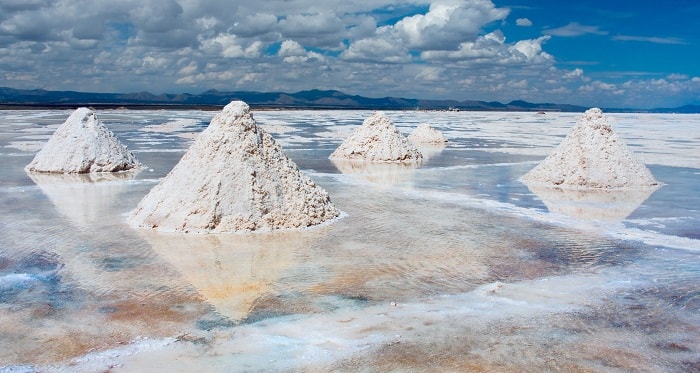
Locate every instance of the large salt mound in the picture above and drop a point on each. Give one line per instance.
(82, 144)
(377, 140)
(425, 134)
(234, 178)
(591, 156)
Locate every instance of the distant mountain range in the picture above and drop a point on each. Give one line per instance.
(311, 99)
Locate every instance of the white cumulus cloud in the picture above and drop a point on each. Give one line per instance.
(416, 48)
(447, 23)
(525, 22)
(492, 48)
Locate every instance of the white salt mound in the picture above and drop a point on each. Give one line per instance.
(82, 144)
(377, 140)
(425, 134)
(234, 178)
(591, 156)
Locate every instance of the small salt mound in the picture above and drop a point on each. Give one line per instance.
(591, 156)
(425, 134)
(82, 144)
(377, 140)
(234, 178)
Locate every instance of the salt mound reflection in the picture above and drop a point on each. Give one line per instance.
(430, 150)
(83, 198)
(382, 173)
(592, 204)
(231, 271)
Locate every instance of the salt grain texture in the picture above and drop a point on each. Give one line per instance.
(425, 134)
(591, 156)
(82, 144)
(234, 178)
(377, 140)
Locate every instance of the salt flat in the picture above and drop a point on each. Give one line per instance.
(449, 265)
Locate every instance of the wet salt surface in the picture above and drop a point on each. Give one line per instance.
(451, 265)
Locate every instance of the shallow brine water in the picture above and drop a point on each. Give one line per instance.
(452, 265)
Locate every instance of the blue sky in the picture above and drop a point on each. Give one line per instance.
(627, 37)
(640, 54)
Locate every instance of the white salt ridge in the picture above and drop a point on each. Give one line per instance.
(172, 126)
(591, 156)
(377, 140)
(82, 144)
(426, 134)
(234, 178)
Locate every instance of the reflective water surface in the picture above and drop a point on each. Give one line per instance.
(449, 265)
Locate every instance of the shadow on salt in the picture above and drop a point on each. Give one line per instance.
(592, 204)
(233, 271)
(85, 199)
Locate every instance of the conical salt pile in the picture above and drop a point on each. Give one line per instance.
(426, 134)
(377, 140)
(234, 178)
(591, 156)
(82, 144)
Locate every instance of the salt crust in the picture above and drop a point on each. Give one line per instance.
(82, 144)
(591, 156)
(425, 134)
(377, 140)
(234, 178)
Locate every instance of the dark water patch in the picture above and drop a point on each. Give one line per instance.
(117, 263)
(542, 250)
(279, 305)
(358, 298)
(688, 233)
(5, 263)
(496, 182)
(679, 194)
(672, 346)
(258, 316)
(580, 255)
(220, 322)
(690, 366)
(682, 295)
(453, 156)
(14, 176)
(34, 280)
(672, 278)
(316, 133)
(631, 311)
(44, 293)
(312, 159)
(476, 142)
(108, 309)
(11, 285)
(298, 303)
(628, 325)
(39, 261)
